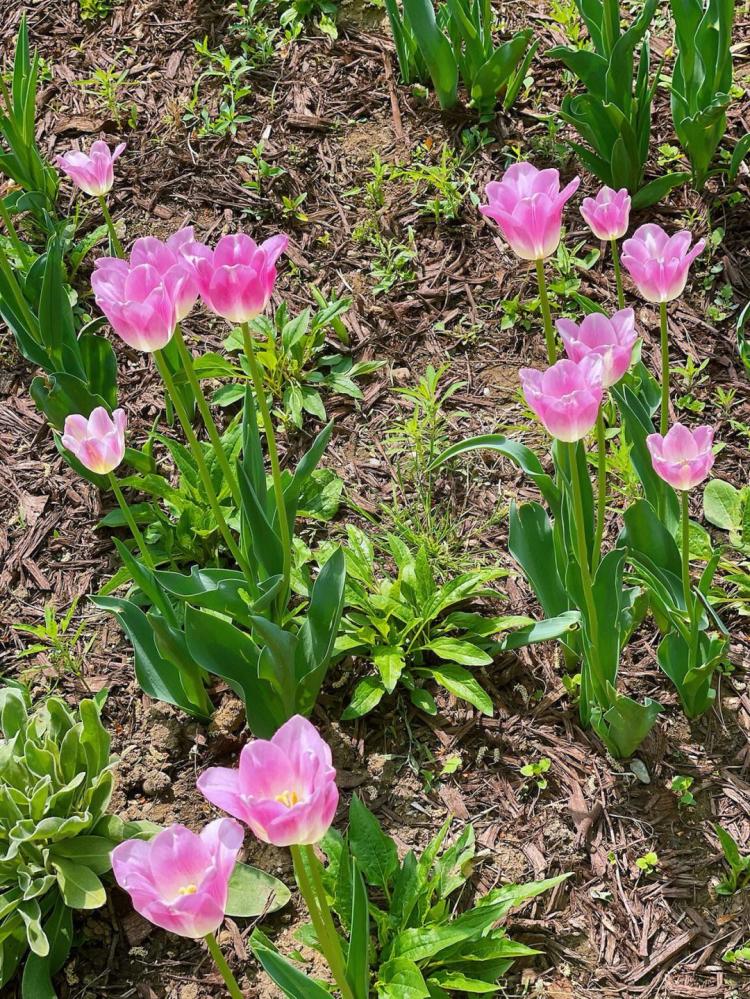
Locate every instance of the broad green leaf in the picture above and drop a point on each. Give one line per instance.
(374, 851)
(252, 892)
(400, 978)
(455, 650)
(462, 685)
(79, 886)
(367, 695)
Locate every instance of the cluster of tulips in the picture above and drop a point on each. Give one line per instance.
(284, 790)
(569, 398)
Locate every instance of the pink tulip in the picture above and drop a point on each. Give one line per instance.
(682, 457)
(659, 263)
(527, 204)
(99, 441)
(175, 265)
(608, 214)
(284, 789)
(179, 880)
(566, 397)
(611, 339)
(236, 279)
(139, 301)
(92, 172)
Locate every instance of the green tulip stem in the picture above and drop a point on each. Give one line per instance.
(549, 333)
(583, 561)
(130, 521)
(664, 415)
(618, 275)
(691, 605)
(208, 422)
(200, 461)
(601, 475)
(221, 963)
(116, 244)
(273, 453)
(307, 872)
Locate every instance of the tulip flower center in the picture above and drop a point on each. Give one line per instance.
(288, 798)
(188, 890)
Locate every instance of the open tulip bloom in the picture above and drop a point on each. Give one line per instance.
(94, 174)
(285, 791)
(608, 217)
(658, 264)
(527, 205)
(179, 881)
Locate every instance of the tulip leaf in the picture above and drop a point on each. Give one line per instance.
(357, 959)
(252, 892)
(293, 982)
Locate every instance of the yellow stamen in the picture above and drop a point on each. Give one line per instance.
(188, 890)
(288, 798)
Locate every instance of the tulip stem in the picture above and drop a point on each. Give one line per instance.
(686, 587)
(618, 275)
(313, 892)
(221, 963)
(208, 421)
(601, 475)
(549, 333)
(664, 415)
(583, 561)
(273, 454)
(116, 244)
(130, 521)
(203, 472)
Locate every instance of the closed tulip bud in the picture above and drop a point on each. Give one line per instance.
(608, 214)
(92, 172)
(527, 204)
(179, 880)
(236, 279)
(611, 339)
(97, 442)
(659, 263)
(682, 457)
(566, 397)
(284, 789)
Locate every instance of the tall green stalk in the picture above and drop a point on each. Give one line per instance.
(130, 521)
(601, 476)
(116, 244)
(221, 963)
(205, 477)
(549, 333)
(618, 275)
(691, 604)
(583, 560)
(278, 487)
(314, 894)
(664, 415)
(208, 422)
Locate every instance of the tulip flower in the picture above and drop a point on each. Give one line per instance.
(659, 264)
(285, 790)
(179, 881)
(612, 340)
(175, 266)
(527, 204)
(94, 174)
(608, 215)
(683, 458)
(236, 279)
(566, 397)
(97, 442)
(138, 300)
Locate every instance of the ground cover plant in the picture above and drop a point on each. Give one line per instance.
(373, 467)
